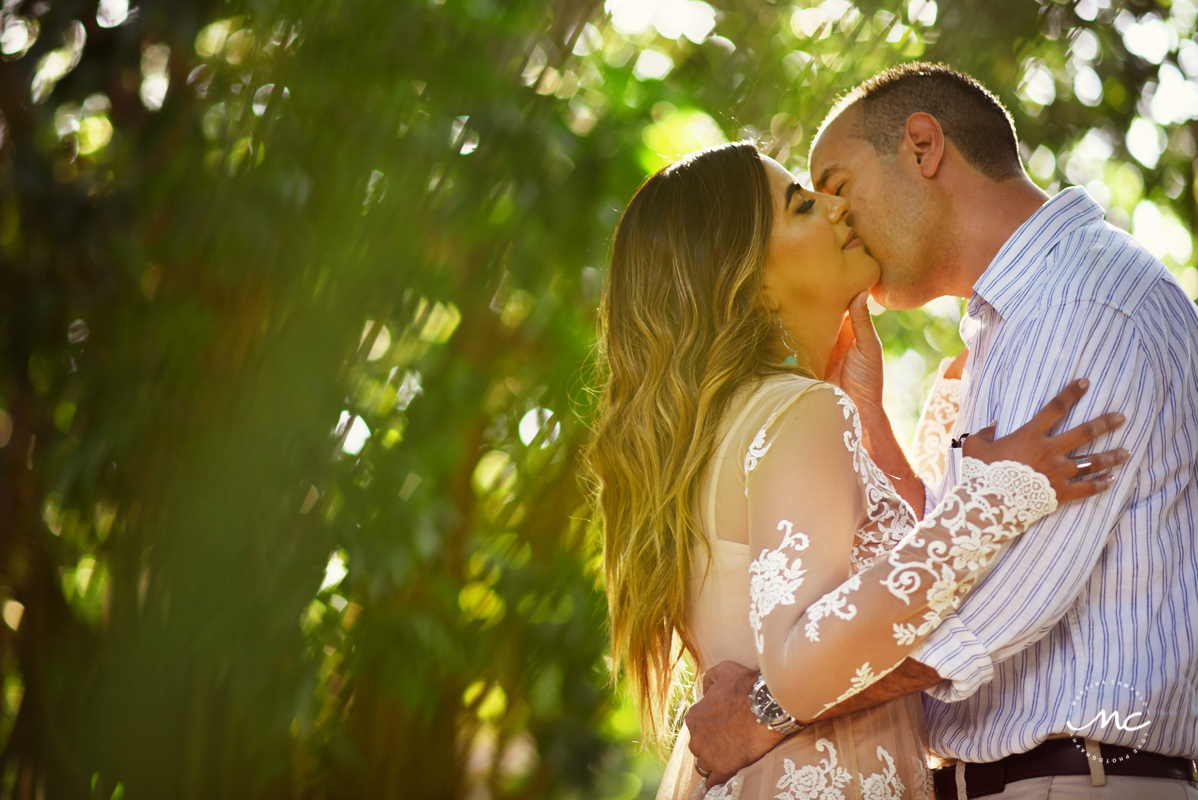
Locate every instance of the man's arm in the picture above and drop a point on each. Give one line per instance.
(726, 737)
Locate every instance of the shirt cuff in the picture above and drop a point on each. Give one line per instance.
(958, 657)
(929, 499)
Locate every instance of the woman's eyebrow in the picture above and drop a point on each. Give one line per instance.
(790, 192)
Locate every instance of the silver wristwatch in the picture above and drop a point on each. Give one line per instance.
(769, 713)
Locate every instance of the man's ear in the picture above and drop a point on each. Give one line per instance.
(923, 142)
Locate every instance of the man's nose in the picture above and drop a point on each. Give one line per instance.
(837, 208)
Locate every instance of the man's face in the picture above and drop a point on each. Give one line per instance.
(889, 210)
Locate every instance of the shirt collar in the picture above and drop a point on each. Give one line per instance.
(1009, 277)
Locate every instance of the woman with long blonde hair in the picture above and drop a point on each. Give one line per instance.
(743, 516)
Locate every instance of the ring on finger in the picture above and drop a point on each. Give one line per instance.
(703, 773)
(1084, 465)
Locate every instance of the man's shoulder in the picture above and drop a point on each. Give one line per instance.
(1100, 264)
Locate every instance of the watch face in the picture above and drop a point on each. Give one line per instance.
(765, 708)
(756, 705)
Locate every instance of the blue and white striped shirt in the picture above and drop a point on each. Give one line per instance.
(1104, 592)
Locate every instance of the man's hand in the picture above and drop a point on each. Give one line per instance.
(725, 736)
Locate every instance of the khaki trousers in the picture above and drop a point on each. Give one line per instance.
(1118, 787)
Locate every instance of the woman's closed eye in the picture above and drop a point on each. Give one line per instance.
(805, 206)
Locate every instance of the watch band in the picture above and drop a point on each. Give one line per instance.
(769, 713)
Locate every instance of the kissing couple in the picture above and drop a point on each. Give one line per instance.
(1015, 615)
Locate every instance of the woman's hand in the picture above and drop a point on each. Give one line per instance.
(856, 367)
(1032, 445)
(856, 361)
(957, 368)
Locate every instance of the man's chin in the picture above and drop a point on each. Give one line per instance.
(896, 300)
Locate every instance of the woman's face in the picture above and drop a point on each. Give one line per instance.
(816, 264)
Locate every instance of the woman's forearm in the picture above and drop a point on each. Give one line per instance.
(878, 437)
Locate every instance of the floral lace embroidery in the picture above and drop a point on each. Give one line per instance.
(1020, 488)
(725, 791)
(906, 633)
(993, 503)
(862, 679)
(756, 450)
(834, 602)
(933, 433)
(887, 517)
(774, 579)
(885, 785)
(923, 775)
(814, 783)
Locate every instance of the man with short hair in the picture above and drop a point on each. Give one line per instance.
(1072, 668)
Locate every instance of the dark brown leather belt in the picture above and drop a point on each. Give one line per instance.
(1057, 757)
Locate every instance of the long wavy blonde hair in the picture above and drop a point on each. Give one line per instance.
(684, 323)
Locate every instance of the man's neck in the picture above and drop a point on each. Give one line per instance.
(987, 216)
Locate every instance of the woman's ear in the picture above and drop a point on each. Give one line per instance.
(923, 143)
(769, 301)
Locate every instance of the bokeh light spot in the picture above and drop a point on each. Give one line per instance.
(675, 133)
(533, 422)
(334, 571)
(112, 13)
(1150, 39)
(494, 472)
(13, 611)
(652, 64)
(354, 431)
(1145, 142)
(55, 65)
(18, 36)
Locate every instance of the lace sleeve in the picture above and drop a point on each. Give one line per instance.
(822, 638)
(933, 431)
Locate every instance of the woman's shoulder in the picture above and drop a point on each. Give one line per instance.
(785, 390)
(811, 420)
(803, 402)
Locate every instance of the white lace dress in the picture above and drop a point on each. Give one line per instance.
(933, 432)
(819, 576)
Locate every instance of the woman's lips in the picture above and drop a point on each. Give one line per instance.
(852, 241)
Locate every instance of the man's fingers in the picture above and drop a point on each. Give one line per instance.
(715, 780)
(720, 671)
(716, 672)
(1088, 486)
(1075, 490)
(1101, 462)
(971, 444)
(1088, 431)
(1059, 406)
(986, 434)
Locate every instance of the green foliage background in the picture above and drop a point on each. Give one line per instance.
(296, 357)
